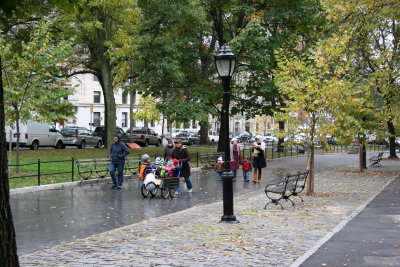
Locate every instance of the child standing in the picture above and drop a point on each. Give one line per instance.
(246, 167)
(219, 168)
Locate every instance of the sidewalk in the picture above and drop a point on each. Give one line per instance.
(194, 237)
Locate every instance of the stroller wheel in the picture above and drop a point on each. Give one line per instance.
(164, 192)
(144, 191)
(153, 192)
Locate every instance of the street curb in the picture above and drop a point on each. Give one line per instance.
(338, 228)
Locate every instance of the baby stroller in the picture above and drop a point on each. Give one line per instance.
(164, 179)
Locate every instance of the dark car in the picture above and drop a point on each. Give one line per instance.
(99, 131)
(80, 137)
(189, 138)
(243, 137)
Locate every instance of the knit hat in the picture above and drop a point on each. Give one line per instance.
(145, 157)
(159, 161)
(175, 161)
(170, 142)
(219, 159)
(233, 139)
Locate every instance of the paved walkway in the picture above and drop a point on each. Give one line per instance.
(194, 237)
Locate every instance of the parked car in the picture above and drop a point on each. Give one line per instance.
(179, 131)
(99, 131)
(243, 137)
(144, 136)
(213, 137)
(80, 137)
(189, 138)
(35, 135)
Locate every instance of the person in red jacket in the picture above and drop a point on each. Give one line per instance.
(246, 167)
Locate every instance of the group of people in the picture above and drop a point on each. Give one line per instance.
(119, 151)
(236, 160)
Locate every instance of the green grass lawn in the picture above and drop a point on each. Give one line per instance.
(49, 156)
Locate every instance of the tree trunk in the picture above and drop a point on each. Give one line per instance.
(360, 158)
(392, 140)
(8, 245)
(18, 139)
(108, 91)
(203, 133)
(281, 139)
(310, 168)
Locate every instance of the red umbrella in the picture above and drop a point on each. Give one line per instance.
(133, 145)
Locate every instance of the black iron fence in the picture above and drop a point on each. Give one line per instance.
(271, 151)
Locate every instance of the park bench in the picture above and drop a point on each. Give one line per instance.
(210, 159)
(292, 185)
(375, 160)
(99, 168)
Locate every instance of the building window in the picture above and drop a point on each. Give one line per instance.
(194, 125)
(124, 119)
(152, 123)
(247, 127)
(96, 119)
(124, 98)
(96, 97)
(236, 126)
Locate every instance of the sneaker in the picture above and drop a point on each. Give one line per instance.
(119, 187)
(190, 190)
(176, 193)
(114, 186)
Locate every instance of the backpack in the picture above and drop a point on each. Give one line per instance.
(150, 182)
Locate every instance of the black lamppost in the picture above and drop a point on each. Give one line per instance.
(225, 63)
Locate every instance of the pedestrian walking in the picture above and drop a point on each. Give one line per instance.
(234, 156)
(258, 158)
(182, 155)
(246, 167)
(219, 168)
(118, 152)
(168, 150)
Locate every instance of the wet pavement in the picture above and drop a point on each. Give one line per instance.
(46, 218)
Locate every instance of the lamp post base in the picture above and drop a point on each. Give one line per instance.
(228, 217)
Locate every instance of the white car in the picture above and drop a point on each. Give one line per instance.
(179, 132)
(213, 137)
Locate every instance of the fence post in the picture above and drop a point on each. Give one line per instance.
(197, 159)
(38, 172)
(73, 170)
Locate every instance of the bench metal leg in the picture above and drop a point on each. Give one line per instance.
(290, 201)
(274, 201)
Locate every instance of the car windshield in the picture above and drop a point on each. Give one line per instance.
(68, 131)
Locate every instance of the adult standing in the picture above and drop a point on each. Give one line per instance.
(168, 150)
(182, 155)
(235, 157)
(118, 152)
(258, 158)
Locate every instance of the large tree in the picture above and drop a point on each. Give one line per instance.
(33, 88)
(374, 28)
(104, 34)
(253, 29)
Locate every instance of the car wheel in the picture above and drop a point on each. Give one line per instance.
(212, 141)
(158, 143)
(99, 144)
(146, 143)
(191, 142)
(35, 145)
(59, 145)
(82, 145)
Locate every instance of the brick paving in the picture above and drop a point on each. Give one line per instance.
(193, 237)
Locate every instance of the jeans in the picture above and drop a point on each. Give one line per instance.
(246, 175)
(219, 175)
(120, 167)
(188, 184)
(234, 173)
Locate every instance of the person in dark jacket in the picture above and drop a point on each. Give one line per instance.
(168, 150)
(182, 155)
(118, 152)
